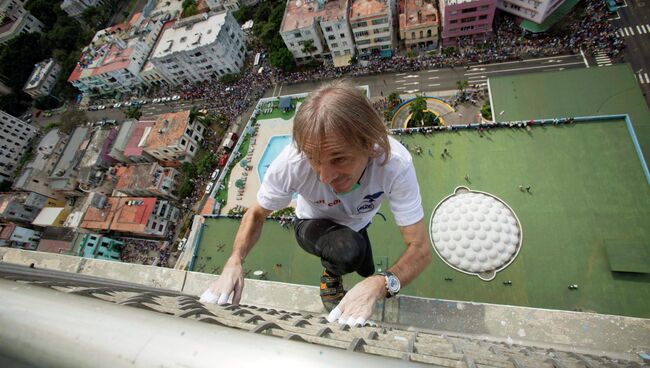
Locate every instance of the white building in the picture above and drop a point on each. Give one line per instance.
(231, 5)
(534, 10)
(14, 20)
(43, 78)
(113, 60)
(75, 8)
(372, 23)
(198, 48)
(317, 29)
(15, 136)
(173, 138)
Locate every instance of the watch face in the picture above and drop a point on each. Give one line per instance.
(393, 284)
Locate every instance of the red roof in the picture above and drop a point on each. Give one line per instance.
(132, 148)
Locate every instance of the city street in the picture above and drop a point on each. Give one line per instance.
(633, 22)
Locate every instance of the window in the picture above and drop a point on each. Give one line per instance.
(296, 35)
(361, 34)
(342, 35)
(335, 45)
(469, 10)
(191, 148)
(412, 35)
(161, 227)
(328, 29)
(379, 21)
(428, 33)
(482, 17)
(154, 224)
(359, 24)
(468, 19)
(183, 142)
(421, 34)
(330, 37)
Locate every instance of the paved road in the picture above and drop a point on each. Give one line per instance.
(444, 80)
(634, 26)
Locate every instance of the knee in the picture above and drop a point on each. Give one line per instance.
(347, 250)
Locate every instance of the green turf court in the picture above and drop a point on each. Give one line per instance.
(588, 192)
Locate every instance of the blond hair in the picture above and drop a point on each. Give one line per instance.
(342, 110)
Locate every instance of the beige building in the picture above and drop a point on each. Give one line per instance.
(372, 26)
(317, 29)
(172, 137)
(418, 24)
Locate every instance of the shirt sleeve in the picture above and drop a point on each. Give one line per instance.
(404, 197)
(275, 193)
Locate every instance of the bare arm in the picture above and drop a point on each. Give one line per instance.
(231, 280)
(249, 232)
(417, 255)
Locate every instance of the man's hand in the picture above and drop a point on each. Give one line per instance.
(358, 304)
(231, 280)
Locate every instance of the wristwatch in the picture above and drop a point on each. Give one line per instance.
(392, 283)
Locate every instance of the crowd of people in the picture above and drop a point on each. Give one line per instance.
(146, 252)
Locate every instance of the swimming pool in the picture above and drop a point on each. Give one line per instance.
(273, 148)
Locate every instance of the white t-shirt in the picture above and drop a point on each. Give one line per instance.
(290, 173)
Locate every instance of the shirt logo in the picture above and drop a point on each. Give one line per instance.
(368, 203)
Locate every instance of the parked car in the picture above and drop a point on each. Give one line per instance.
(209, 187)
(127, 104)
(176, 97)
(166, 99)
(101, 107)
(155, 100)
(215, 174)
(143, 102)
(92, 108)
(117, 105)
(181, 243)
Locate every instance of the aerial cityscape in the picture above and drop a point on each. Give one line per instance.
(141, 137)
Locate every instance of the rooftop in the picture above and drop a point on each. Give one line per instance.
(136, 140)
(128, 214)
(140, 176)
(132, 218)
(301, 13)
(41, 70)
(189, 33)
(111, 48)
(71, 154)
(166, 130)
(413, 15)
(360, 9)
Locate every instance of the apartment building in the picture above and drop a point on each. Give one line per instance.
(418, 24)
(317, 29)
(146, 180)
(22, 207)
(75, 8)
(534, 10)
(42, 79)
(466, 21)
(113, 60)
(35, 174)
(198, 48)
(16, 236)
(372, 26)
(173, 138)
(15, 136)
(134, 215)
(14, 20)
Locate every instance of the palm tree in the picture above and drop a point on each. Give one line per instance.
(308, 47)
(462, 84)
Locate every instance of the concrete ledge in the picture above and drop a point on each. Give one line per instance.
(570, 331)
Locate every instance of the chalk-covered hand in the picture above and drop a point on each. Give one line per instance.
(358, 304)
(231, 281)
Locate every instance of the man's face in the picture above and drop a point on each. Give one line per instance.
(336, 164)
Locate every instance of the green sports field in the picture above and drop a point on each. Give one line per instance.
(588, 190)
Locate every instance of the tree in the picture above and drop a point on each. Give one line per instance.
(46, 103)
(461, 85)
(283, 59)
(486, 111)
(308, 47)
(189, 8)
(133, 112)
(71, 119)
(417, 107)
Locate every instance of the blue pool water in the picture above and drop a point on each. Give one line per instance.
(273, 148)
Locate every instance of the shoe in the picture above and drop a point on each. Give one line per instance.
(331, 290)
